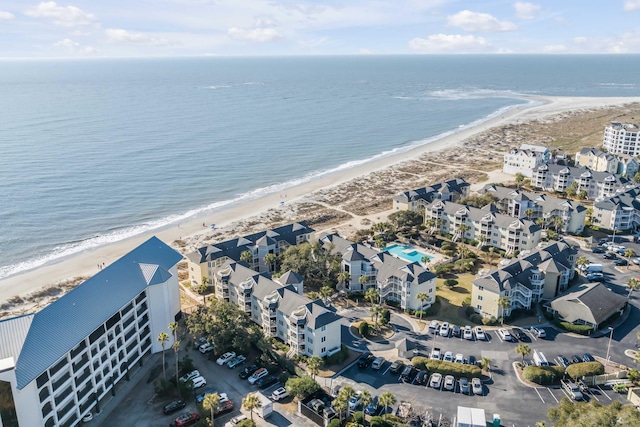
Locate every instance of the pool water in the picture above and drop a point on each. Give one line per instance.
(407, 252)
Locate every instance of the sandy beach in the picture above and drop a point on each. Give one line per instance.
(341, 200)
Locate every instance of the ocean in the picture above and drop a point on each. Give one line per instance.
(98, 150)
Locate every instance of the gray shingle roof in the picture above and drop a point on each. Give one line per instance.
(628, 199)
(577, 172)
(456, 185)
(61, 325)
(590, 302)
(546, 202)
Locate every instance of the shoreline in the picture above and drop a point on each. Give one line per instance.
(86, 263)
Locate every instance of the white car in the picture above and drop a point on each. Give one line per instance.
(191, 375)
(436, 380)
(505, 335)
(355, 400)
(444, 329)
(260, 373)
(476, 385)
(449, 383)
(434, 326)
(199, 382)
(480, 333)
(448, 356)
(206, 348)
(233, 422)
(468, 333)
(226, 357)
(279, 393)
(459, 358)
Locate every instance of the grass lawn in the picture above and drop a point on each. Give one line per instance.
(451, 309)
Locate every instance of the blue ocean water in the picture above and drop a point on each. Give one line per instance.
(94, 151)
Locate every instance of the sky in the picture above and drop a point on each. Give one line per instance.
(166, 28)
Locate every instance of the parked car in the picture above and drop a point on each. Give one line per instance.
(206, 348)
(587, 357)
(456, 331)
(595, 277)
(434, 326)
(355, 400)
(233, 422)
(597, 250)
(248, 371)
(422, 377)
(480, 333)
(609, 255)
(377, 363)
(226, 357)
(563, 361)
(449, 383)
(459, 358)
(267, 381)
(199, 342)
(199, 382)
(211, 390)
(396, 366)
(620, 262)
(636, 260)
(191, 375)
(538, 332)
(471, 360)
(365, 360)
(408, 374)
(444, 329)
(224, 407)
(436, 380)
(260, 373)
(476, 386)
(279, 393)
(504, 334)
(236, 361)
(186, 419)
(468, 333)
(448, 356)
(172, 407)
(465, 387)
(372, 407)
(518, 334)
(576, 359)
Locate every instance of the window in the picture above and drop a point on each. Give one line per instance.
(323, 339)
(481, 288)
(479, 297)
(323, 349)
(324, 328)
(479, 307)
(310, 340)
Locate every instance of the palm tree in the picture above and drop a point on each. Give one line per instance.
(344, 278)
(523, 350)
(270, 261)
(528, 213)
(582, 261)
(365, 399)
(387, 399)
(557, 222)
(425, 260)
(176, 345)
(251, 402)
(247, 257)
(629, 253)
(632, 284)
(210, 403)
(326, 292)
(314, 364)
(485, 364)
(541, 222)
(372, 295)
(346, 393)
(492, 251)
(313, 295)
(504, 303)
(363, 280)
(163, 338)
(519, 180)
(422, 297)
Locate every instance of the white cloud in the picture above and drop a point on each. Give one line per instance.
(554, 48)
(364, 51)
(526, 10)
(75, 47)
(632, 5)
(6, 15)
(479, 22)
(449, 43)
(260, 35)
(63, 16)
(580, 40)
(117, 35)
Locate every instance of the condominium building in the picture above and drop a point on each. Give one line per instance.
(622, 164)
(485, 226)
(622, 138)
(279, 307)
(203, 262)
(620, 212)
(525, 159)
(58, 364)
(416, 200)
(598, 185)
(531, 205)
(539, 275)
(396, 279)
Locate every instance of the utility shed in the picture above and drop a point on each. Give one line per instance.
(471, 417)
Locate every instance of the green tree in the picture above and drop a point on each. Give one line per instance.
(210, 403)
(372, 295)
(363, 280)
(593, 414)
(529, 213)
(365, 399)
(363, 328)
(422, 297)
(326, 292)
(270, 261)
(523, 350)
(342, 400)
(173, 326)
(636, 178)
(314, 364)
(485, 364)
(387, 399)
(557, 222)
(163, 338)
(344, 277)
(582, 261)
(301, 387)
(504, 303)
(251, 402)
(582, 194)
(633, 284)
(629, 253)
(247, 257)
(541, 222)
(519, 179)
(425, 260)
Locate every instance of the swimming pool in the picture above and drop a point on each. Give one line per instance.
(407, 252)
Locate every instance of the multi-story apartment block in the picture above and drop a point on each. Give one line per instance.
(530, 205)
(596, 160)
(622, 138)
(416, 200)
(485, 226)
(598, 185)
(627, 165)
(525, 159)
(539, 275)
(396, 279)
(620, 212)
(307, 326)
(205, 260)
(61, 362)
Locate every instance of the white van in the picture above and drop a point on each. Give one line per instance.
(593, 268)
(539, 359)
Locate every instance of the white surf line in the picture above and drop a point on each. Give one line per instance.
(540, 396)
(554, 398)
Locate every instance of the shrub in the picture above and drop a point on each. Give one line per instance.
(246, 423)
(585, 369)
(386, 316)
(446, 368)
(476, 318)
(543, 374)
(378, 422)
(467, 304)
(489, 321)
(469, 311)
(578, 329)
(339, 357)
(363, 328)
(434, 308)
(334, 423)
(355, 295)
(302, 387)
(450, 282)
(419, 313)
(358, 417)
(393, 303)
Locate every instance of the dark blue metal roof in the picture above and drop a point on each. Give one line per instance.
(60, 326)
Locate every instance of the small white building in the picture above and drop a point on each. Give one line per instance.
(471, 417)
(622, 138)
(524, 159)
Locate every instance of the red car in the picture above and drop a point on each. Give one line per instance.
(185, 420)
(224, 407)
